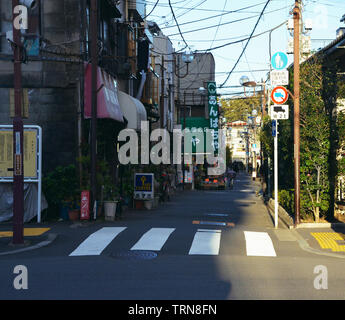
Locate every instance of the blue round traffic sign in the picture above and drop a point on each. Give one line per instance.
(279, 61)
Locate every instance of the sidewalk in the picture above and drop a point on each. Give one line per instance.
(34, 237)
(38, 235)
(319, 238)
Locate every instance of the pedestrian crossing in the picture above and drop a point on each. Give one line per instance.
(97, 242)
(153, 239)
(205, 242)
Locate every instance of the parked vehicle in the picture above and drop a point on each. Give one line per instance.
(213, 182)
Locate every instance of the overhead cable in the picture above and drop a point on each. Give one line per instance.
(244, 49)
(226, 23)
(172, 11)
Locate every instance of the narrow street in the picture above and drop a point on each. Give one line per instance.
(202, 245)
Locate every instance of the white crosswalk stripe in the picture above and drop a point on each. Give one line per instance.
(97, 242)
(259, 244)
(206, 242)
(154, 239)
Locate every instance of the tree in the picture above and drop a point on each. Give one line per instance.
(315, 140)
(238, 109)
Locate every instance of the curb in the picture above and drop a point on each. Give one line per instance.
(50, 238)
(319, 225)
(301, 241)
(282, 214)
(306, 247)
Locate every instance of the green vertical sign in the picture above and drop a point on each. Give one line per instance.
(213, 114)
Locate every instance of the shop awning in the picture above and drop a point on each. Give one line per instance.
(133, 110)
(108, 105)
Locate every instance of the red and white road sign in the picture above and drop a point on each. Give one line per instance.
(279, 95)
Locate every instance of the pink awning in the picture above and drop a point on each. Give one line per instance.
(107, 100)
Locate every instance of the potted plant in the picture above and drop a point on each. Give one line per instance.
(111, 198)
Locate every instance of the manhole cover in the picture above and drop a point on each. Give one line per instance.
(135, 255)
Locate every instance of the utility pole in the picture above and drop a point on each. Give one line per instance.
(94, 64)
(18, 165)
(262, 151)
(184, 139)
(162, 111)
(297, 17)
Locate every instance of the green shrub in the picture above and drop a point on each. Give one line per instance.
(60, 185)
(287, 200)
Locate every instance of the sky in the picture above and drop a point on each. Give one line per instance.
(206, 24)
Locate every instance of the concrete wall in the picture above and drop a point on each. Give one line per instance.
(55, 110)
(200, 71)
(53, 94)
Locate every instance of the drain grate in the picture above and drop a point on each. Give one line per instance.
(135, 255)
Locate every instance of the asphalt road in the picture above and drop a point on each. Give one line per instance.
(202, 245)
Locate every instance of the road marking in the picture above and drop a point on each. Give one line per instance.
(206, 242)
(153, 239)
(259, 244)
(28, 232)
(97, 242)
(214, 223)
(328, 240)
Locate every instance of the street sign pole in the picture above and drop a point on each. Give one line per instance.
(18, 166)
(276, 177)
(94, 63)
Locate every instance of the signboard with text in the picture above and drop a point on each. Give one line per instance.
(144, 186)
(213, 114)
(30, 154)
(196, 138)
(280, 112)
(279, 77)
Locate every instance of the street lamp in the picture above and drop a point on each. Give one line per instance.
(245, 82)
(187, 58)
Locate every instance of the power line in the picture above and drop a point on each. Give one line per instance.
(215, 16)
(229, 22)
(154, 7)
(172, 11)
(215, 35)
(244, 49)
(239, 41)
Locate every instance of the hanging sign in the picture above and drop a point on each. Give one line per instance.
(213, 114)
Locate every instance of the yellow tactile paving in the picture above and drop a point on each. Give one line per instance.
(28, 232)
(328, 240)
